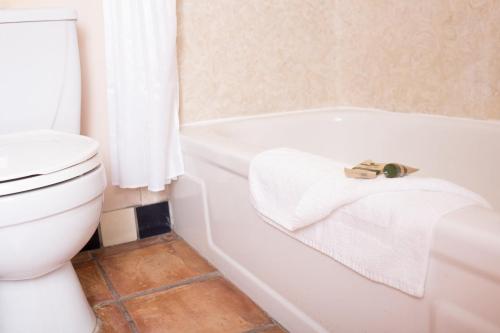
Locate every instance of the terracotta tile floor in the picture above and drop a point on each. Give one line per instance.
(160, 284)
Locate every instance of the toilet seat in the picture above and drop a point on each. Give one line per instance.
(36, 159)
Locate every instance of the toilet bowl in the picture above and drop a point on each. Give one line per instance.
(51, 190)
(51, 178)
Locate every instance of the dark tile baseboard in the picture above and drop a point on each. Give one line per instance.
(153, 219)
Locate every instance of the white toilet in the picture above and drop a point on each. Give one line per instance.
(51, 178)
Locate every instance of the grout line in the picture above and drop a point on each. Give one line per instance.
(136, 223)
(121, 208)
(196, 279)
(128, 317)
(104, 303)
(261, 328)
(116, 297)
(278, 325)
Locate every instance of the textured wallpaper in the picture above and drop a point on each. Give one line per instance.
(432, 56)
(258, 56)
(254, 56)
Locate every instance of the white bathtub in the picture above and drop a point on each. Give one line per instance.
(307, 291)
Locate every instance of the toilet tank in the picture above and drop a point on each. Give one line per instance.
(39, 70)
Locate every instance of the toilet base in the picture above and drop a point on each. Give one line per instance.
(52, 303)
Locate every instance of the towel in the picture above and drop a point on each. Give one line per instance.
(381, 228)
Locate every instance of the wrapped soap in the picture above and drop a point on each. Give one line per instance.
(369, 170)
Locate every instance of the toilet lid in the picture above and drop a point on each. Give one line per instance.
(42, 152)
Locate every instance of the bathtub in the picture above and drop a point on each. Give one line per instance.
(307, 291)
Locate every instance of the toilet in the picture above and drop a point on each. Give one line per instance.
(51, 178)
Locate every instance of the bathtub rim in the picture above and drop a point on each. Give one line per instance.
(222, 120)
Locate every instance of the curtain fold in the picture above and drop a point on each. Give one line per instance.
(142, 92)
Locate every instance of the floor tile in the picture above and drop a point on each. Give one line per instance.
(209, 306)
(81, 257)
(112, 319)
(170, 236)
(153, 266)
(93, 283)
(275, 329)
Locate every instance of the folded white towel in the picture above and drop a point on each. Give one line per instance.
(279, 178)
(381, 228)
(332, 192)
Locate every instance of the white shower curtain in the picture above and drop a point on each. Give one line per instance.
(142, 92)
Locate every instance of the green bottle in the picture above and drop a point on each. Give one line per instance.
(393, 170)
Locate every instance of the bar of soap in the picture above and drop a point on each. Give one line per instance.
(360, 173)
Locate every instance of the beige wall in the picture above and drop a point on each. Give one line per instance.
(255, 56)
(432, 56)
(258, 56)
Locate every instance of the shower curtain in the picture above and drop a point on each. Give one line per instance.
(142, 92)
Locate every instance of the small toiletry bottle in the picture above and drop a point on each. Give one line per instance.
(393, 170)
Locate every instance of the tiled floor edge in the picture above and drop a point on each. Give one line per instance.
(262, 328)
(140, 243)
(276, 324)
(126, 304)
